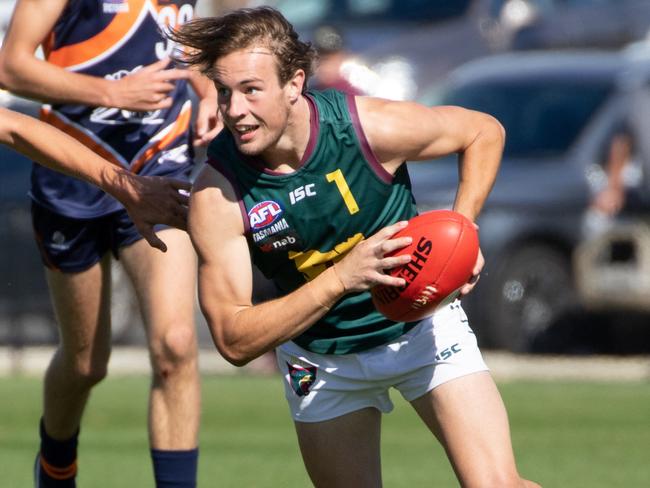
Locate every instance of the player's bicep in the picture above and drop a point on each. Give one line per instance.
(399, 131)
(31, 23)
(225, 285)
(216, 228)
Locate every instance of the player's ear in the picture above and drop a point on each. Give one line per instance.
(295, 85)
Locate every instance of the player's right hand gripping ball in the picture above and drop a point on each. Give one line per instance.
(443, 254)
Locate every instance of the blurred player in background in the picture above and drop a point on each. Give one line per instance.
(622, 182)
(332, 56)
(311, 187)
(106, 81)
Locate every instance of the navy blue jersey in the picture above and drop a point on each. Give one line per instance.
(113, 38)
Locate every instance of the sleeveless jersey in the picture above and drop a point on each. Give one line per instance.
(297, 224)
(111, 39)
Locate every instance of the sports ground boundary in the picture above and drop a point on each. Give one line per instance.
(32, 361)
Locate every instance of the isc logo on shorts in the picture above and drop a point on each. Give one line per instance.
(264, 214)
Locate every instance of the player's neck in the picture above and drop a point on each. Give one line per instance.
(286, 155)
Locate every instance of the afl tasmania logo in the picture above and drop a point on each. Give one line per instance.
(264, 214)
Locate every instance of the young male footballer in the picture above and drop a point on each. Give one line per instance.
(311, 186)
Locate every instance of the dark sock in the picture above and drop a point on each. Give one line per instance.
(175, 469)
(58, 461)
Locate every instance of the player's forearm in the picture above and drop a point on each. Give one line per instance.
(479, 165)
(33, 78)
(56, 150)
(252, 331)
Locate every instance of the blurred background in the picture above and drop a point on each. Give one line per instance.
(565, 232)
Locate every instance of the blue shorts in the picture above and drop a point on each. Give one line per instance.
(74, 245)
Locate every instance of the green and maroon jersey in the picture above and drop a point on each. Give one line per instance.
(298, 224)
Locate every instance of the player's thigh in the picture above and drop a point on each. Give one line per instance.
(344, 451)
(164, 282)
(75, 255)
(469, 418)
(81, 302)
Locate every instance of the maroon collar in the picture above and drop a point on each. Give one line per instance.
(314, 127)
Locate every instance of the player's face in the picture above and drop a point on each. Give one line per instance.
(254, 106)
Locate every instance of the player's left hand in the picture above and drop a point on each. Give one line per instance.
(366, 264)
(476, 274)
(151, 200)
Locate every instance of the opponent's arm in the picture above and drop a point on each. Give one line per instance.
(148, 200)
(243, 331)
(23, 73)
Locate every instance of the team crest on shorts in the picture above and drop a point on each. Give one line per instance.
(301, 378)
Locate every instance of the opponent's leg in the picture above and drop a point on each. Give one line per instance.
(165, 286)
(344, 451)
(468, 417)
(81, 303)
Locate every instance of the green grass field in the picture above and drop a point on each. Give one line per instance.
(566, 435)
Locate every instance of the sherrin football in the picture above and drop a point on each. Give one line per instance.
(443, 254)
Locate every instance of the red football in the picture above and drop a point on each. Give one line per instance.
(443, 254)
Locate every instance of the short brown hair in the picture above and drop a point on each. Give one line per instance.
(210, 38)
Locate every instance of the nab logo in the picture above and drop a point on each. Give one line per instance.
(264, 214)
(284, 242)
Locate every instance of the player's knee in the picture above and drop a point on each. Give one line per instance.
(90, 370)
(176, 350)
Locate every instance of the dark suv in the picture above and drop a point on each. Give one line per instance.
(559, 111)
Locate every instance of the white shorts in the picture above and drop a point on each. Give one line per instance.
(320, 387)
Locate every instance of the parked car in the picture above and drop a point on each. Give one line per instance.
(401, 47)
(365, 24)
(559, 109)
(559, 24)
(398, 47)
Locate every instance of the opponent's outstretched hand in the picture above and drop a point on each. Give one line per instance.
(151, 200)
(365, 265)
